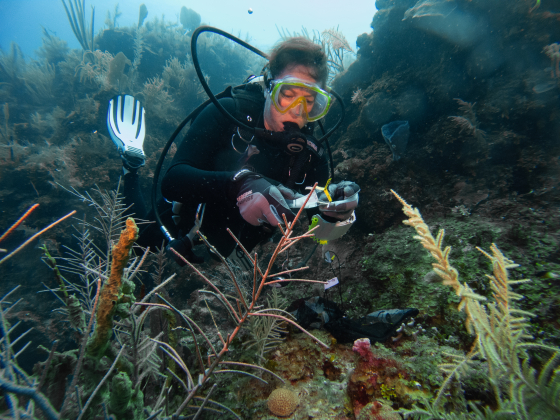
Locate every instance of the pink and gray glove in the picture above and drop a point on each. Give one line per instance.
(260, 202)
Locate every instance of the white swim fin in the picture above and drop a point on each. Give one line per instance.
(127, 127)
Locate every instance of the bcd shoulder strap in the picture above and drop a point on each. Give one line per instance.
(249, 102)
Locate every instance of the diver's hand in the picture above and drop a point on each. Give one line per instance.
(184, 247)
(260, 202)
(344, 200)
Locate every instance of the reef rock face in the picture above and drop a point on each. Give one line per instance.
(449, 68)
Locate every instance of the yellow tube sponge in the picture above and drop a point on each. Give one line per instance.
(111, 291)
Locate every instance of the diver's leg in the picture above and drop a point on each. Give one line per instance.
(127, 127)
(133, 197)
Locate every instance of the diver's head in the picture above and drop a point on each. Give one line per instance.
(296, 84)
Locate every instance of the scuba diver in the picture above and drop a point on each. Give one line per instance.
(247, 161)
(224, 176)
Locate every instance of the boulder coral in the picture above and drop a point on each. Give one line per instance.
(282, 402)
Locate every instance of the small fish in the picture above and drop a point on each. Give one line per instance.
(547, 275)
(94, 131)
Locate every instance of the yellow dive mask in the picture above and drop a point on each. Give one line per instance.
(290, 92)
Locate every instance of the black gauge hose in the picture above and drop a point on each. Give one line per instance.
(260, 132)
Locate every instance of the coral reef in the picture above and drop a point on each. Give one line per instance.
(119, 340)
(484, 167)
(378, 411)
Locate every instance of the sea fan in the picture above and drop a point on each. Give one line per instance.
(336, 39)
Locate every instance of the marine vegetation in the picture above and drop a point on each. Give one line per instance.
(520, 391)
(77, 18)
(117, 366)
(15, 383)
(267, 332)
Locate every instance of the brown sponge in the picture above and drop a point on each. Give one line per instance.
(111, 290)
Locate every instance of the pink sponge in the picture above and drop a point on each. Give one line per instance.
(362, 346)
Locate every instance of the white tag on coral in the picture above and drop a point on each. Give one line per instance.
(331, 283)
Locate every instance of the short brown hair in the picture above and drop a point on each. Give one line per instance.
(299, 50)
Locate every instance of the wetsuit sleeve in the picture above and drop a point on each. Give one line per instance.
(196, 173)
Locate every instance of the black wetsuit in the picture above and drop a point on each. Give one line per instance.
(203, 166)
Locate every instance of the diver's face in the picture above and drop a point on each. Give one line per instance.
(274, 120)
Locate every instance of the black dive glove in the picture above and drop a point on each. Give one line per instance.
(344, 197)
(259, 201)
(183, 246)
